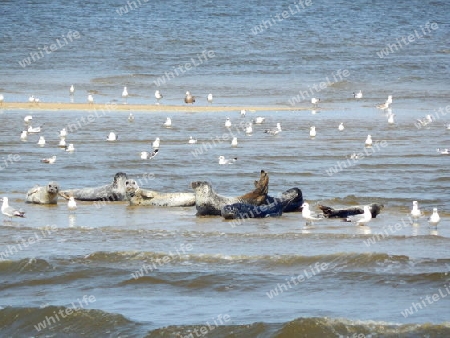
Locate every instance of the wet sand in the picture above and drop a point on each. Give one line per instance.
(139, 107)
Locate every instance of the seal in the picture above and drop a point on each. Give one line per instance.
(329, 212)
(43, 195)
(139, 196)
(208, 202)
(289, 201)
(115, 191)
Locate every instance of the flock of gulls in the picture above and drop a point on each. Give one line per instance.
(307, 214)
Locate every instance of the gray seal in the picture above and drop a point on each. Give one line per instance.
(329, 212)
(140, 196)
(43, 195)
(115, 191)
(208, 202)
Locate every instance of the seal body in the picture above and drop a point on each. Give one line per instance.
(139, 196)
(291, 200)
(329, 212)
(116, 191)
(43, 194)
(208, 202)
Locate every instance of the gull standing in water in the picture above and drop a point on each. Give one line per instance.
(243, 112)
(41, 141)
(50, 160)
(23, 135)
(308, 215)
(228, 123)
(71, 205)
(234, 142)
(71, 90)
(130, 117)
(189, 98)
(210, 98)
(368, 142)
(155, 143)
(70, 148)
(312, 132)
(391, 118)
(10, 211)
(112, 137)
(274, 131)
(358, 95)
(2, 98)
(249, 128)
(125, 95)
(62, 143)
(90, 99)
(192, 140)
(158, 96)
(341, 126)
(415, 211)
(434, 219)
(168, 123)
(63, 133)
(361, 219)
(315, 101)
(223, 160)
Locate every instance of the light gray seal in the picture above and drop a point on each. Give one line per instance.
(116, 191)
(140, 196)
(43, 195)
(208, 202)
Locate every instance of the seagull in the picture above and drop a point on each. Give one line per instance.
(368, 142)
(358, 95)
(415, 211)
(341, 126)
(155, 143)
(223, 160)
(354, 156)
(23, 135)
(70, 147)
(307, 215)
(90, 99)
(2, 98)
(10, 211)
(189, 98)
(50, 160)
(168, 122)
(192, 140)
(434, 218)
(273, 131)
(315, 101)
(131, 117)
(389, 99)
(145, 155)
(385, 105)
(63, 133)
(243, 112)
(41, 141)
(227, 123)
(391, 118)
(31, 99)
(72, 205)
(158, 96)
(259, 120)
(234, 142)
(448, 126)
(312, 131)
(426, 120)
(125, 94)
(71, 90)
(34, 130)
(210, 98)
(28, 118)
(361, 219)
(112, 137)
(62, 143)
(249, 128)
(443, 151)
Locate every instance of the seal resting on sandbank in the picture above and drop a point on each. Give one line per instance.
(115, 191)
(43, 195)
(139, 196)
(208, 202)
(329, 212)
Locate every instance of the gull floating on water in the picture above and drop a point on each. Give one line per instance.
(308, 215)
(189, 98)
(28, 118)
(312, 131)
(426, 120)
(274, 131)
(223, 160)
(443, 151)
(341, 126)
(368, 142)
(315, 101)
(10, 211)
(259, 120)
(62, 143)
(50, 160)
(145, 155)
(249, 128)
(361, 219)
(192, 140)
(34, 130)
(434, 218)
(354, 156)
(415, 211)
(23, 135)
(168, 122)
(131, 117)
(358, 95)
(70, 147)
(71, 204)
(63, 133)
(243, 112)
(158, 96)
(210, 98)
(234, 142)
(227, 123)
(155, 143)
(112, 136)
(125, 94)
(41, 141)
(391, 118)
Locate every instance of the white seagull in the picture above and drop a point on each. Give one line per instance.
(368, 142)
(131, 117)
(10, 211)
(234, 142)
(210, 98)
(249, 128)
(426, 120)
(41, 141)
(70, 147)
(71, 90)
(31, 99)
(361, 219)
(358, 95)
(158, 96)
(168, 122)
(71, 204)
(145, 155)
(63, 133)
(312, 131)
(125, 94)
(308, 215)
(28, 118)
(315, 101)
(391, 118)
(415, 211)
(341, 126)
(90, 99)
(243, 112)
(443, 151)
(50, 160)
(192, 140)
(227, 123)
(62, 143)
(259, 120)
(189, 98)
(434, 218)
(223, 160)
(23, 135)
(274, 131)
(32, 130)
(112, 137)
(2, 98)
(155, 143)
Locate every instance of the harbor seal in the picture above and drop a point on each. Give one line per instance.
(139, 196)
(289, 201)
(43, 195)
(329, 212)
(208, 202)
(115, 191)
